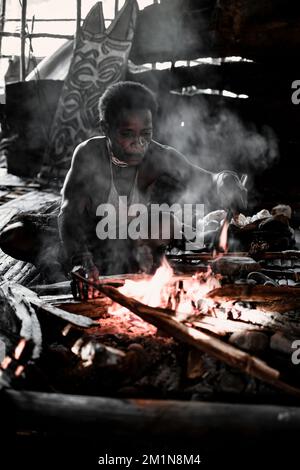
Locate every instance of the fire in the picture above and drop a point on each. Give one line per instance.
(223, 242)
(151, 291)
(222, 246)
(182, 294)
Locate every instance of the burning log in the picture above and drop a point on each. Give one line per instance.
(222, 327)
(204, 342)
(230, 318)
(276, 299)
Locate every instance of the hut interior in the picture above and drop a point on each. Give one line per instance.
(198, 361)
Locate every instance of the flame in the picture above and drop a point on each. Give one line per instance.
(194, 292)
(222, 247)
(164, 289)
(151, 292)
(223, 242)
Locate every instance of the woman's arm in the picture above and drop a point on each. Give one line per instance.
(71, 219)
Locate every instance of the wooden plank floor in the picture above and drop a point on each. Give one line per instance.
(18, 195)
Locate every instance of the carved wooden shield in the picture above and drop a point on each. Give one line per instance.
(99, 59)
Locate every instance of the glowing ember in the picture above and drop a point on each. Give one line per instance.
(19, 349)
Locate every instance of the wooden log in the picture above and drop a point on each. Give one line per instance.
(202, 341)
(87, 416)
(275, 299)
(290, 254)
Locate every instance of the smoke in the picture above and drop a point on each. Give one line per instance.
(216, 138)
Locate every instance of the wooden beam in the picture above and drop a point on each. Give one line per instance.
(78, 19)
(37, 35)
(23, 41)
(2, 20)
(116, 7)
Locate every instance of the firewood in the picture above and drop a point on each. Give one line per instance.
(223, 327)
(82, 417)
(7, 264)
(276, 299)
(93, 308)
(78, 320)
(204, 342)
(267, 320)
(40, 306)
(289, 254)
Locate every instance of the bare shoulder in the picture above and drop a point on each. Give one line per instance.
(89, 150)
(85, 161)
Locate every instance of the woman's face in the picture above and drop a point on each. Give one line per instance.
(131, 136)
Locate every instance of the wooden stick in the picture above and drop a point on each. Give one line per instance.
(267, 255)
(35, 301)
(37, 35)
(227, 353)
(23, 41)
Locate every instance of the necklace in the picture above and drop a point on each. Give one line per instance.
(116, 161)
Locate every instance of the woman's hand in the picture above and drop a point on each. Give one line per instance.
(231, 192)
(80, 289)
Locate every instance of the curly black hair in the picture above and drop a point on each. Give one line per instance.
(125, 95)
